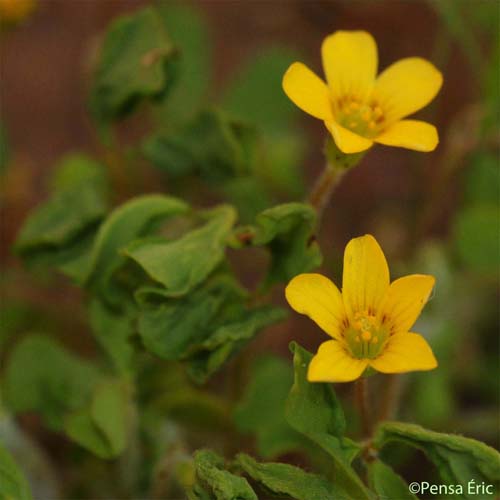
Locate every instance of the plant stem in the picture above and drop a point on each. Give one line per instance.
(361, 393)
(389, 402)
(324, 187)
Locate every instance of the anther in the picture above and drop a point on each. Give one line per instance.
(366, 336)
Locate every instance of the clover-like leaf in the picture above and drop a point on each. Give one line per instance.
(313, 410)
(133, 65)
(13, 484)
(457, 458)
(285, 480)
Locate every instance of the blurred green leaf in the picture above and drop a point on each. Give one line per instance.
(205, 327)
(256, 94)
(103, 427)
(182, 264)
(188, 30)
(287, 230)
(212, 145)
(13, 484)
(61, 229)
(262, 412)
(210, 470)
(386, 483)
(126, 223)
(458, 459)
(476, 237)
(249, 194)
(207, 357)
(170, 329)
(482, 179)
(41, 376)
(132, 65)
(313, 410)
(288, 481)
(113, 330)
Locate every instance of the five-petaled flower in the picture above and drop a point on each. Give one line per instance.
(357, 107)
(369, 321)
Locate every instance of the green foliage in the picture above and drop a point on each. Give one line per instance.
(183, 264)
(133, 65)
(287, 230)
(113, 330)
(41, 376)
(262, 412)
(476, 236)
(386, 483)
(103, 426)
(256, 95)
(192, 68)
(221, 484)
(211, 145)
(314, 411)
(290, 481)
(125, 224)
(13, 485)
(206, 327)
(458, 459)
(60, 230)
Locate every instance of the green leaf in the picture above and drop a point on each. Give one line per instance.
(13, 484)
(126, 223)
(290, 481)
(133, 65)
(262, 412)
(171, 329)
(227, 339)
(313, 410)
(224, 485)
(212, 146)
(287, 230)
(188, 30)
(256, 94)
(386, 483)
(183, 264)
(113, 330)
(205, 327)
(59, 230)
(103, 427)
(476, 237)
(481, 182)
(41, 376)
(458, 459)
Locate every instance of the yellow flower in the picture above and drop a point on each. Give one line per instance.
(357, 107)
(369, 321)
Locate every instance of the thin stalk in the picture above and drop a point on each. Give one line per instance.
(361, 396)
(324, 188)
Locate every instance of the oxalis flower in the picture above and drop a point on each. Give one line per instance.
(357, 107)
(369, 321)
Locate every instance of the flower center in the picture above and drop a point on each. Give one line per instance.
(365, 336)
(363, 118)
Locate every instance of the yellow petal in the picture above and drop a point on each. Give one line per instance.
(317, 297)
(350, 63)
(307, 91)
(406, 86)
(366, 276)
(410, 134)
(348, 142)
(405, 300)
(405, 352)
(332, 363)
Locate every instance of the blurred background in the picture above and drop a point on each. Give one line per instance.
(432, 213)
